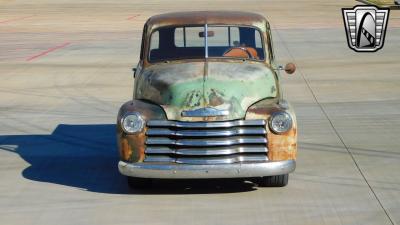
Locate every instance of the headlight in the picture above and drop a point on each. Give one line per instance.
(132, 123)
(280, 122)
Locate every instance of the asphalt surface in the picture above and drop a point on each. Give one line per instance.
(65, 70)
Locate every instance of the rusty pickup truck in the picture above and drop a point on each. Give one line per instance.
(207, 103)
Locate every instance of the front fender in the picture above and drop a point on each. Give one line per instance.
(132, 146)
(280, 146)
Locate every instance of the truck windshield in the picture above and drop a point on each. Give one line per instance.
(189, 42)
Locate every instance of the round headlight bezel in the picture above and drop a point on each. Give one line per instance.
(280, 113)
(140, 118)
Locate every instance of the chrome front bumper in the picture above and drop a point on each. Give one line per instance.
(186, 171)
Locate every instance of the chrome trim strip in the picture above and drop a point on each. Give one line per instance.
(159, 150)
(207, 151)
(207, 160)
(159, 158)
(206, 142)
(206, 133)
(186, 171)
(204, 112)
(225, 124)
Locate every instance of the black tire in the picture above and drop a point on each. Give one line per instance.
(139, 183)
(274, 181)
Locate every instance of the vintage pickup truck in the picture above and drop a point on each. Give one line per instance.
(207, 103)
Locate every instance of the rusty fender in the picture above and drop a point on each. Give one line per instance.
(280, 146)
(132, 146)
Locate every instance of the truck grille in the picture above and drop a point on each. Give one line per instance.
(206, 142)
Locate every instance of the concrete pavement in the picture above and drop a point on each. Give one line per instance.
(65, 70)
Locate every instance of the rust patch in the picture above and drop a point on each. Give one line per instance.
(280, 146)
(215, 98)
(132, 146)
(283, 146)
(125, 151)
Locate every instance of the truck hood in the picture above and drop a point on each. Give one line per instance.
(227, 87)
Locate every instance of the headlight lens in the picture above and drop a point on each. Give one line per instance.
(280, 122)
(132, 123)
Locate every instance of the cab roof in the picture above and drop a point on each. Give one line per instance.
(209, 17)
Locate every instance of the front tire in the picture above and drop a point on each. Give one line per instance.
(139, 183)
(274, 181)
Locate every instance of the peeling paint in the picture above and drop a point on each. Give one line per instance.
(229, 86)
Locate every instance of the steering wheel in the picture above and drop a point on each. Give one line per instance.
(244, 49)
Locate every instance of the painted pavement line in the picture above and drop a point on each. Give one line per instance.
(132, 17)
(30, 58)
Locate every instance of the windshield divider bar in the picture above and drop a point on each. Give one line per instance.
(206, 40)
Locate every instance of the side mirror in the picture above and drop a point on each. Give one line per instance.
(290, 68)
(134, 72)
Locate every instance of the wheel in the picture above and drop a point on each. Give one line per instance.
(274, 181)
(139, 183)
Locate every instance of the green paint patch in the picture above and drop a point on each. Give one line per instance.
(238, 94)
(187, 94)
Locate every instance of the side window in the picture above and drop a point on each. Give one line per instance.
(155, 40)
(257, 38)
(154, 43)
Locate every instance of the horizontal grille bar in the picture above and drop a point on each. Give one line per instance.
(208, 160)
(213, 142)
(206, 152)
(206, 142)
(206, 133)
(225, 124)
